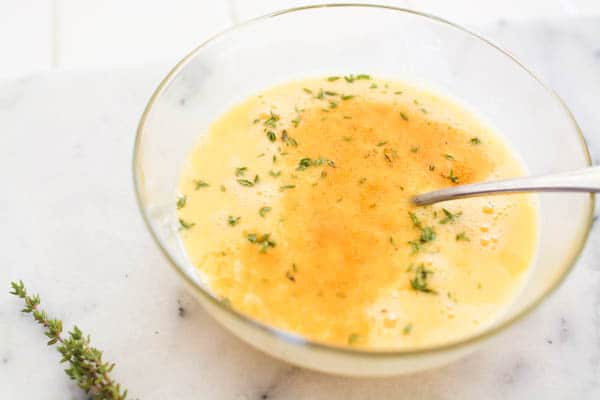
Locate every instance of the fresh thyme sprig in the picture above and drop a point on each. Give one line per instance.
(85, 362)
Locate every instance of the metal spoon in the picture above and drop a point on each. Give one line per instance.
(582, 180)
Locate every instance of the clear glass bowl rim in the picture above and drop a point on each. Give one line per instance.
(301, 341)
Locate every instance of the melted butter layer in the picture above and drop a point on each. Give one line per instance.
(348, 259)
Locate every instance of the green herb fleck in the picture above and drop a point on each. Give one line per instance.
(414, 149)
(287, 139)
(307, 90)
(274, 174)
(240, 171)
(347, 96)
(333, 104)
(330, 93)
(424, 111)
(419, 282)
(381, 144)
(353, 338)
(427, 235)
(453, 178)
(185, 225)
(373, 86)
(449, 157)
(181, 202)
(233, 221)
(404, 117)
(431, 167)
(398, 92)
(285, 187)
(462, 237)
(333, 78)
(200, 184)
(407, 329)
(475, 141)
(308, 162)
(245, 182)
(363, 76)
(362, 180)
(271, 136)
(449, 217)
(263, 241)
(264, 210)
(223, 188)
(272, 120)
(347, 138)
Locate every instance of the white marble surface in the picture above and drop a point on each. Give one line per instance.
(71, 231)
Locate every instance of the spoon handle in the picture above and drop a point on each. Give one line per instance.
(582, 180)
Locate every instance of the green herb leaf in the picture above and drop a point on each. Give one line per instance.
(307, 90)
(286, 187)
(185, 225)
(233, 221)
(451, 177)
(431, 167)
(264, 210)
(274, 174)
(363, 76)
(427, 235)
(414, 149)
(449, 157)
(419, 282)
(181, 202)
(347, 96)
(245, 182)
(450, 217)
(407, 329)
(462, 237)
(475, 141)
(381, 144)
(240, 171)
(373, 86)
(404, 117)
(353, 338)
(200, 184)
(333, 78)
(271, 136)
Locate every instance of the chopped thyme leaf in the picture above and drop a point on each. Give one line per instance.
(363, 76)
(272, 120)
(415, 220)
(347, 117)
(431, 167)
(272, 136)
(320, 95)
(256, 179)
(475, 141)
(450, 217)
(381, 144)
(462, 237)
(200, 184)
(424, 111)
(398, 92)
(404, 117)
(233, 221)
(333, 78)
(296, 122)
(389, 155)
(285, 187)
(245, 182)
(415, 101)
(264, 210)
(287, 139)
(407, 329)
(185, 225)
(240, 171)
(333, 104)
(181, 202)
(419, 282)
(347, 138)
(414, 149)
(274, 158)
(307, 90)
(415, 246)
(256, 121)
(294, 268)
(373, 86)
(260, 155)
(449, 157)
(362, 180)
(347, 96)
(392, 242)
(274, 174)
(308, 162)
(223, 188)
(330, 93)
(427, 235)
(353, 338)
(251, 237)
(349, 78)
(453, 178)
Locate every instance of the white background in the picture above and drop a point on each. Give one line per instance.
(39, 35)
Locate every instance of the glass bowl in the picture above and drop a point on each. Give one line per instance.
(386, 42)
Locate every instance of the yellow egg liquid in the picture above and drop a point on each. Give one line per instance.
(295, 207)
